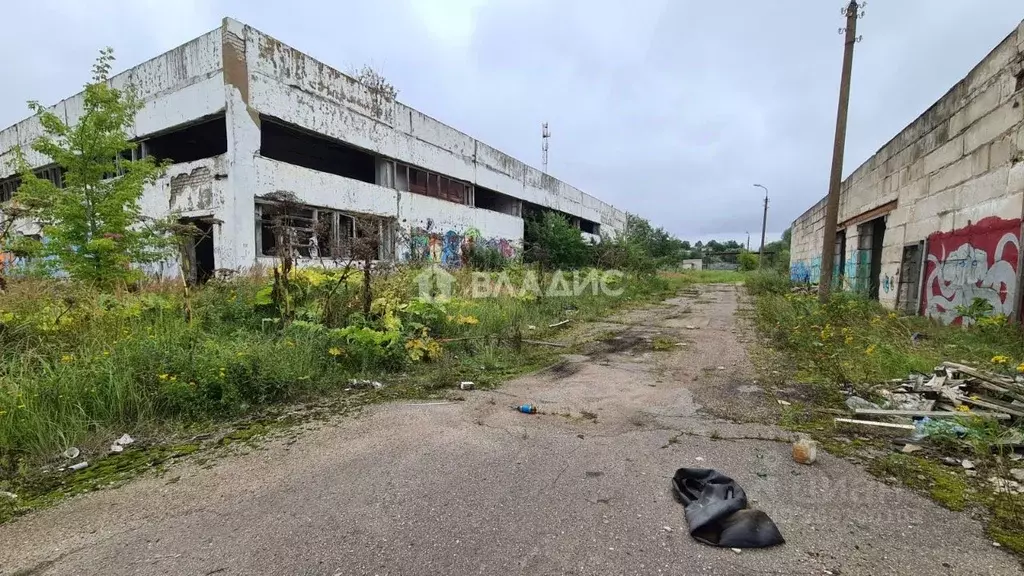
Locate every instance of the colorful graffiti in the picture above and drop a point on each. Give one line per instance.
(450, 248)
(977, 261)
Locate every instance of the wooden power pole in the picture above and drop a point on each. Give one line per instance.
(828, 248)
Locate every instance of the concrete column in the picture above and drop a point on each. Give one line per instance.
(237, 248)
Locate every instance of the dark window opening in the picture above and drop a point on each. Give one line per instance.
(199, 251)
(189, 143)
(589, 226)
(1020, 81)
(296, 146)
(492, 200)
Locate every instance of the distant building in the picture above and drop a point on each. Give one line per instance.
(243, 116)
(693, 264)
(933, 220)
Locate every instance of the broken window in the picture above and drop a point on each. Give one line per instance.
(311, 232)
(204, 139)
(492, 200)
(53, 173)
(589, 226)
(287, 143)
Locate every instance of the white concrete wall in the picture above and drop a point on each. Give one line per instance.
(958, 163)
(286, 84)
(176, 87)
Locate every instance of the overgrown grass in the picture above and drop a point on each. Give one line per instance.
(852, 341)
(80, 367)
(707, 276)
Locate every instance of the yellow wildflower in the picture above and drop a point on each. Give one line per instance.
(870, 350)
(963, 408)
(162, 376)
(849, 339)
(1000, 359)
(335, 351)
(67, 358)
(1020, 367)
(468, 320)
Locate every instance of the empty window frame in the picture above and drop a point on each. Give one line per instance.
(312, 232)
(419, 181)
(52, 172)
(589, 226)
(204, 139)
(291, 144)
(493, 200)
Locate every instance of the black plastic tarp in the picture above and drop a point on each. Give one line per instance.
(717, 512)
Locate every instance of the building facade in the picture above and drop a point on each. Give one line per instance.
(244, 118)
(933, 220)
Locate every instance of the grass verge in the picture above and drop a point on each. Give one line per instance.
(856, 345)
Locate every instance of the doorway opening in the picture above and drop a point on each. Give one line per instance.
(908, 293)
(198, 256)
(869, 256)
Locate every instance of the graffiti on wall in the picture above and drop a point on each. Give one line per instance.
(450, 248)
(806, 271)
(977, 261)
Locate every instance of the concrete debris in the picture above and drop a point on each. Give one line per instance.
(72, 453)
(954, 391)
(531, 327)
(784, 402)
(1018, 474)
(857, 403)
(805, 451)
(1008, 486)
(358, 384)
(124, 440)
(736, 550)
(116, 448)
(967, 464)
(666, 528)
(910, 448)
(690, 327)
(721, 367)
(466, 385)
(77, 467)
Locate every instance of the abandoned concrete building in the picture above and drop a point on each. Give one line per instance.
(933, 220)
(243, 117)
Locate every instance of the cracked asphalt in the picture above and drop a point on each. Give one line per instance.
(474, 487)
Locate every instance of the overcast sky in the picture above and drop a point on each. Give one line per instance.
(671, 109)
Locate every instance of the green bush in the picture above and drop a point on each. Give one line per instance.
(551, 240)
(767, 282)
(748, 261)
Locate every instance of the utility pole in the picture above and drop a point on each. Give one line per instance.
(764, 224)
(544, 135)
(828, 249)
(748, 241)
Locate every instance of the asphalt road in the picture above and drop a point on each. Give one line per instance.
(476, 488)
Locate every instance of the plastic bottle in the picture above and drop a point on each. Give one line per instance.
(527, 409)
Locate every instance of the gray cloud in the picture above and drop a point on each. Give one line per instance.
(671, 109)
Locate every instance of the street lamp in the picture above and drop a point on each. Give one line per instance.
(764, 224)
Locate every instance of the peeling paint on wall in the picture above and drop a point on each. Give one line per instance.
(977, 261)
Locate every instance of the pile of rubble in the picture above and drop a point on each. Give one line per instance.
(954, 390)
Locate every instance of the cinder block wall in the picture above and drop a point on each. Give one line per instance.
(958, 164)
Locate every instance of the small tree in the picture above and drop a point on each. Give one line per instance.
(553, 242)
(93, 225)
